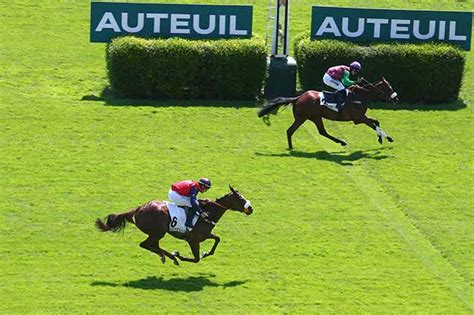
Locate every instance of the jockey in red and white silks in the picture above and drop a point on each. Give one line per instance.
(184, 193)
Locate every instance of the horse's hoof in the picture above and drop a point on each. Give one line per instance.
(176, 263)
(380, 140)
(163, 259)
(390, 139)
(204, 254)
(343, 143)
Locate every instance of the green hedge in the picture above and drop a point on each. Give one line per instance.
(185, 69)
(430, 73)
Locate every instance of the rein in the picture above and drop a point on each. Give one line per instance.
(374, 86)
(206, 219)
(218, 204)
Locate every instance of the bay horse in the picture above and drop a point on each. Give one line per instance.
(307, 106)
(153, 219)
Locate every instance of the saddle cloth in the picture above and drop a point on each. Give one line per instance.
(178, 218)
(328, 99)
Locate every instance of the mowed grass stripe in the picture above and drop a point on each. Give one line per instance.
(380, 157)
(417, 242)
(372, 186)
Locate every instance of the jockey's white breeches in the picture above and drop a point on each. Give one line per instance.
(335, 84)
(178, 199)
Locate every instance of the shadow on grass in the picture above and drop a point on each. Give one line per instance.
(342, 158)
(188, 284)
(111, 99)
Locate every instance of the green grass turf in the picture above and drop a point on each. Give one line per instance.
(360, 229)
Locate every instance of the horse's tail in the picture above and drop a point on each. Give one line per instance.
(275, 103)
(115, 222)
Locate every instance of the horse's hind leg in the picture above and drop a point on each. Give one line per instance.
(322, 131)
(290, 131)
(152, 244)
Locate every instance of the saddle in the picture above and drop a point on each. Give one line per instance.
(328, 99)
(179, 214)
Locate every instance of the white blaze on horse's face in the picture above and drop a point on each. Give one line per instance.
(247, 205)
(394, 95)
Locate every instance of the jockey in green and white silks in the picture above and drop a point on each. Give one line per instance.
(338, 77)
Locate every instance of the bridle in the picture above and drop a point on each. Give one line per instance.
(247, 204)
(246, 210)
(389, 97)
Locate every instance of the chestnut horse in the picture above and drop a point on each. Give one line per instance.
(154, 219)
(307, 106)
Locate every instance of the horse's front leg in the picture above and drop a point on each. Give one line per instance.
(194, 249)
(216, 239)
(375, 125)
(381, 134)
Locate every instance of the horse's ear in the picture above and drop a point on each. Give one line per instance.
(231, 189)
(383, 79)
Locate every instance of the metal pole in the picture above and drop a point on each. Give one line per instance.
(287, 29)
(274, 51)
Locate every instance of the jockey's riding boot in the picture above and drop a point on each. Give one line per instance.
(340, 98)
(189, 220)
(351, 99)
